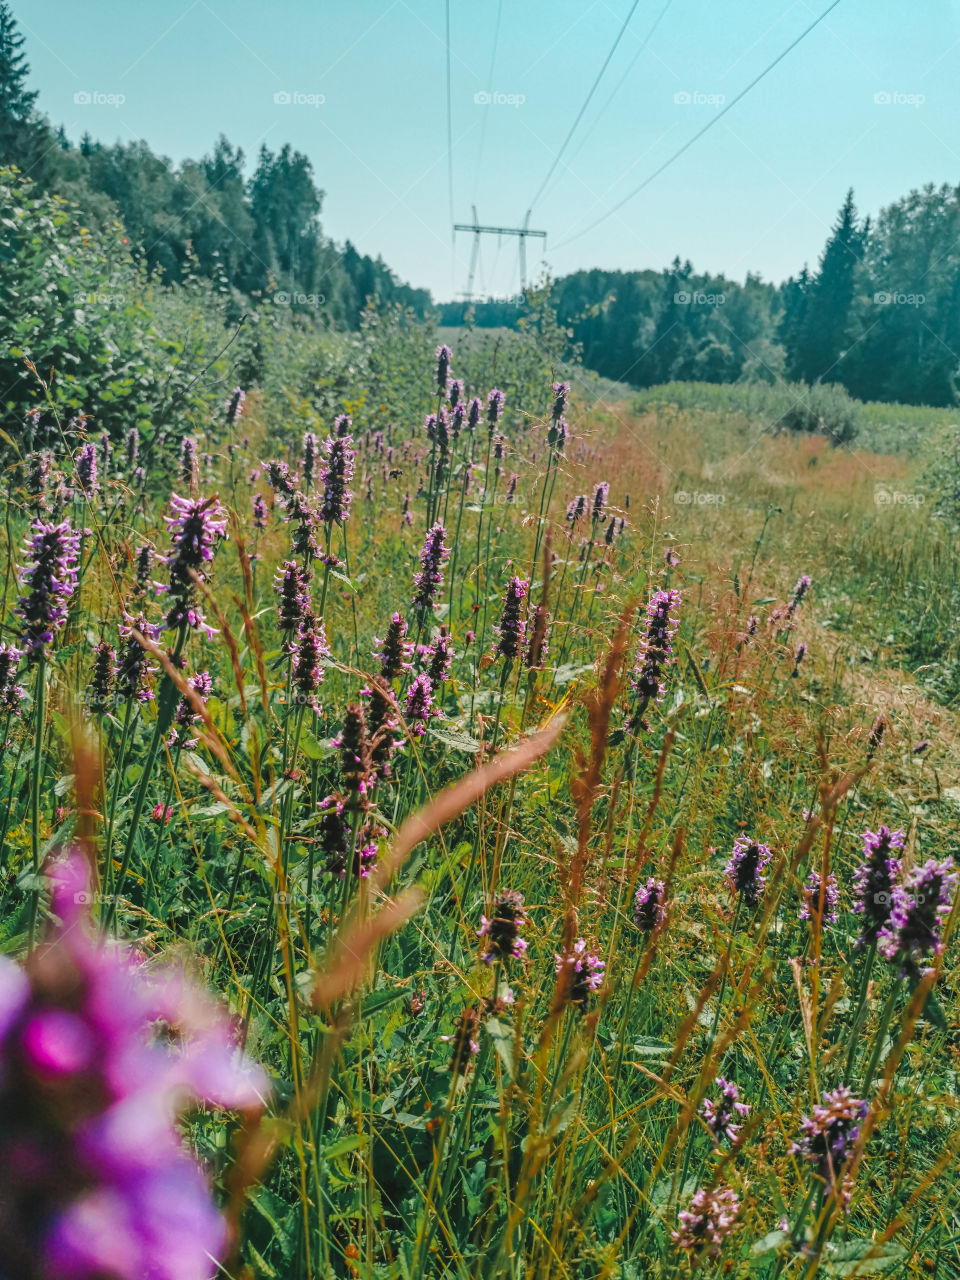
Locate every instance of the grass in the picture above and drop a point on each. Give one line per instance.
(567, 1144)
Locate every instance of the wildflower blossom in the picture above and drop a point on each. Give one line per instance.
(707, 1223)
(186, 714)
(308, 459)
(427, 581)
(918, 908)
(97, 1179)
(292, 587)
(816, 890)
(101, 681)
(456, 394)
(583, 971)
(512, 628)
(576, 508)
(560, 392)
(12, 694)
(495, 401)
(440, 659)
(49, 579)
(188, 462)
(444, 356)
(649, 907)
(720, 1116)
(654, 654)
(875, 737)
(539, 644)
(132, 447)
(465, 1043)
(259, 511)
(600, 495)
(830, 1136)
(474, 413)
(194, 523)
(745, 869)
(308, 650)
(394, 650)
(799, 591)
(161, 814)
(144, 567)
(419, 706)
(335, 478)
(234, 406)
(133, 665)
(87, 470)
(502, 928)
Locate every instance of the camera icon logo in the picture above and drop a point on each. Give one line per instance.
(82, 98)
(482, 98)
(282, 97)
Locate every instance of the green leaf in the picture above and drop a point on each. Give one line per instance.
(863, 1258)
(456, 740)
(502, 1038)
(381, 1000)
(771, 1241)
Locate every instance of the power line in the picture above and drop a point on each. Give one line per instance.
(593, 88)
(620, 83)
(489, 86)
(699, 134)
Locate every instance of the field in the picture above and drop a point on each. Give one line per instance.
(519, 839)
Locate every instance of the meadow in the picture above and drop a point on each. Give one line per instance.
(460, 824)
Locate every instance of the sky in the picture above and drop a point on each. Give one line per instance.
(869, 99)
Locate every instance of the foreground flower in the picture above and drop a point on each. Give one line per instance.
(194, 523)
(292, 587)
(919, 905)
(745, 869)
(512, 627)
(99, 1057)
(649, 908)
(707, 1223)
(309, 650)
(584, 973)
(49, 577)
(830, 1136)
(720, 1116)
(874, 881)
(502, 929)
(654, 654)
(419, 706)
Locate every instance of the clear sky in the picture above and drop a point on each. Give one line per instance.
(870, 99)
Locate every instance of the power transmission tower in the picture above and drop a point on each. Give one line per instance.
(477, 230)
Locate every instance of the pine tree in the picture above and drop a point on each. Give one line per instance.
(816, 348)
(16, 100)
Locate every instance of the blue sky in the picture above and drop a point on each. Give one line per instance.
(870, 99)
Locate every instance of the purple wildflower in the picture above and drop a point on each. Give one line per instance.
(576, 508)
(745, 869)
(394, 650)
(440, 655)
(649, 906)
(539, 643)
(49, 576)
(101, 681)
(11, 693)
(280, 480)
(495, 400)
(99, 1057)
(919, 905)
(512, 628)
(194, 523)
(875, 737)
(133, 664)
(600, 495)
(309, 649)
(132, 447)
(456, 395)
(188, 462)
(813, 892)
(560, 392)
(654, 654)
(234, 405)
(292, 585)
(502, 928)
(474, 413)
(87, 470)
(335, 478)
(419, 705)
(583, 971)
(186, 715)
(707, 1223)
(308, 459)
(444, 356)
(259, 511)
(465, 1043)
(721, 1116)
(799, 591)
(144, 567)
(830, 1136)
(427, 581)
